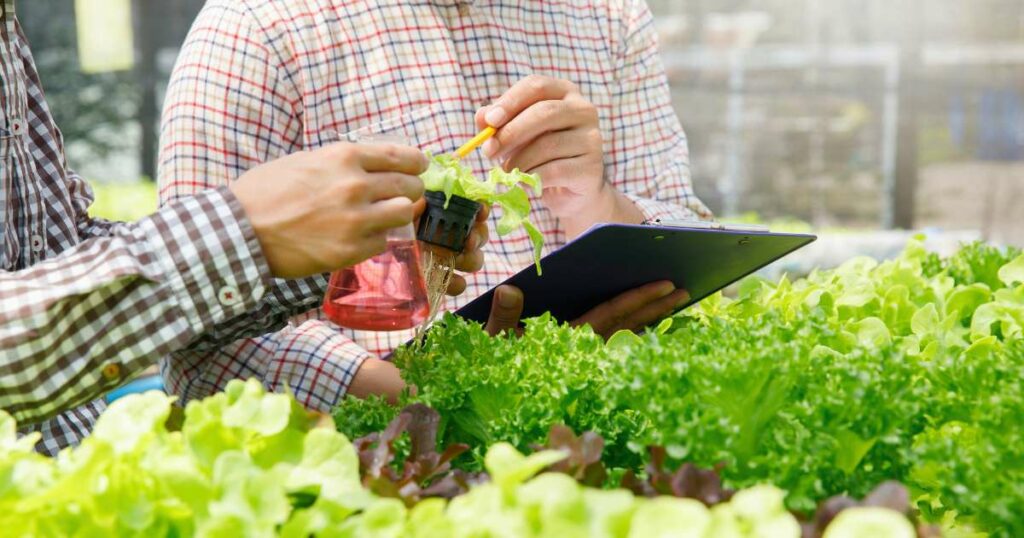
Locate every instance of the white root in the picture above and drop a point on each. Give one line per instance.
(438, 270)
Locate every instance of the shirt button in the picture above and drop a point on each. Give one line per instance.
(229, 296)
(17, 127)
(37, 243)
(112, 371)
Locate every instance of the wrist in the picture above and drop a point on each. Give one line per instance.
(609, 206)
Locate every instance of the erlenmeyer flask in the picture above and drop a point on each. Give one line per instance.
(386, 292)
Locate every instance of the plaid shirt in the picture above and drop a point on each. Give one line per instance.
(260, 78)
(85, 304)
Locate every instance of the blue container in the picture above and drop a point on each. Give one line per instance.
(143, 384)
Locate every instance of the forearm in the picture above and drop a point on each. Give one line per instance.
(75, 326)
(377, 378)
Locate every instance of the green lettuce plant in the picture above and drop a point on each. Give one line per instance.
(905, 370)
(248, 463)
(503, 189)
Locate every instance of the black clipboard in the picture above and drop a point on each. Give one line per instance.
(610, 259)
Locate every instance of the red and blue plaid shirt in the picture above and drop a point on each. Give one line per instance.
(257, 79)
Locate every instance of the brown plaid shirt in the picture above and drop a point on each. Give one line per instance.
(85, 304)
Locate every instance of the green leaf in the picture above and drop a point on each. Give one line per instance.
(131, 419)
(667, 516)
(982, 348)
(852, 450)
(251, 408)
(515, 207)
(428, 520)
(858, 522)
(624, 339)
(385, 518)
(509, 468)
(514, 178)
(964, 300)
(329, 467)
(1013, 273)
(538, 242)
(873, 332)
(925, 321)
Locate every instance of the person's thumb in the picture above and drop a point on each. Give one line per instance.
(506, 309)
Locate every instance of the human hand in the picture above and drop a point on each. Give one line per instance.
(471, 259)
(635, 309)
(321, 210)
(546, 126)
(631, 311)
(377, 377)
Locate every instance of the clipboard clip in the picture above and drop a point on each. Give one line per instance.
(708, 225)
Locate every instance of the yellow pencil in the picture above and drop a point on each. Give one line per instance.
(477, 140)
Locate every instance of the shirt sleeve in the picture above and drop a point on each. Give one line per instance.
(77, 325)
(649, 159)
(231, 105)
(311, 360)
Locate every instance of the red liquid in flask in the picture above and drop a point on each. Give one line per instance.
(385, 293)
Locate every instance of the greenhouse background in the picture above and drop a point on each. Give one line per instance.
(843, 114)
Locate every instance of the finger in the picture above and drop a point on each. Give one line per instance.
(483, 213)
(652, 312)
(567, 174)
(470, 261)
(481, 115)
(506, 309)
(480, 228)
(457, 286)
(419, 208)
(540, 118)
(608, 315)
(478, 237)
(371, 245)
(385, 185)
(548, 147)
(392, 158)
(524, 94)
(387, 214)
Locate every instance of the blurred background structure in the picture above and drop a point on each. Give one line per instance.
(844, 114)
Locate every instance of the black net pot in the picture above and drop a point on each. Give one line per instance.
(447, 227)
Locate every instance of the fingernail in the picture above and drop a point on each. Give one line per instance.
(496, 116)
(666, 289)
(491, 148)
(684, 297)
(506, 299)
